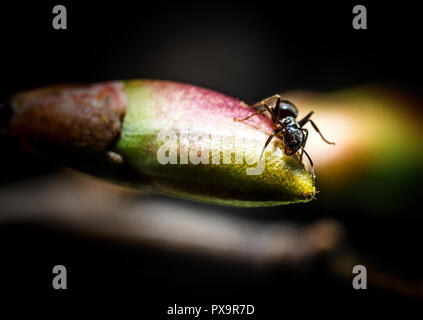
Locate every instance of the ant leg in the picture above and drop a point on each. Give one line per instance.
(275, 132)
(318, 131)
(276, 106)
(264, 101)
(304, 143)
(274, 118)
(312, 166)
(270, 110)
(251, 115)
(304, 120)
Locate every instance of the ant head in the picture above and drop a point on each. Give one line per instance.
(289, 152)
(293, 139)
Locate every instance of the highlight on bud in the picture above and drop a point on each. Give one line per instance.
(168, 137)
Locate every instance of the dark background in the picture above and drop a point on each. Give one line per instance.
(247, 50)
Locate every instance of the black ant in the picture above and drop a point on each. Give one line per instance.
(283, 115)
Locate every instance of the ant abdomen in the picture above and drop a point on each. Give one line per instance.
(286, 109)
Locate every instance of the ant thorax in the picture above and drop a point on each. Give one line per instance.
(290, 122)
